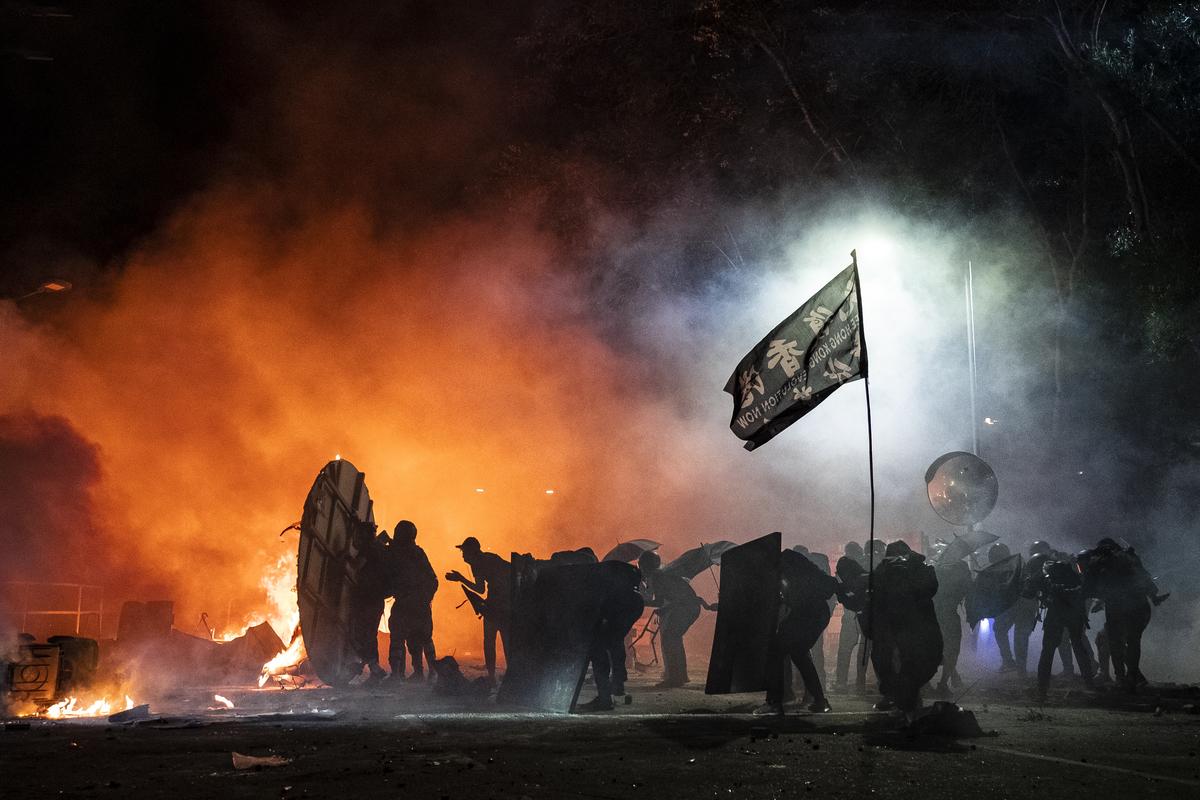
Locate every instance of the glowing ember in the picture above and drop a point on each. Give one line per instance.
(225, 701)
(73, 707)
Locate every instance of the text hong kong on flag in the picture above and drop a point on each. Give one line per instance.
(798, 364)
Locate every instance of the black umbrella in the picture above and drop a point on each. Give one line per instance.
(631, 550)
(964, 544)
(698, 559)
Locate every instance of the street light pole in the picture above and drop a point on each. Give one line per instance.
(48, 287)
(971, 364)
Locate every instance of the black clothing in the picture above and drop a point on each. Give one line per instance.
(954, 581)
(370, 591)
(851, 634)
(803, 592)
(492, 573)
(906, 639)
(678, 607)
(413, 585)
(621, 609)
(1116, 576)
(1060, 589)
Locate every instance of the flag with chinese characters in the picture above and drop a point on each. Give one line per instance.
(798, 364)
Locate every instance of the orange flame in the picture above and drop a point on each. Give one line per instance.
(73, 707)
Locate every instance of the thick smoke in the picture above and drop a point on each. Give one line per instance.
(360, 279)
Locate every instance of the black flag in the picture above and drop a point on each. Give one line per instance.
(798, 364)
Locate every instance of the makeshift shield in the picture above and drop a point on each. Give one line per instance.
(336, 532)
(747, 614)
(995, 590)
(555, 615)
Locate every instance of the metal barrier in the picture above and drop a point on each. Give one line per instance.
(27, 600)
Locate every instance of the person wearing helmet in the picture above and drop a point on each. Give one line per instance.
(1059, 588)
(413, 585)
(619, 611)
(1115, 575)
(678, 607)
(850, 634)
(906, 641)
(491, 574)
(804, 591)
(1041, 554)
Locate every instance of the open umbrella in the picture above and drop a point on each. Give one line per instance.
(692, 562)
(631, 550)
(964, 544)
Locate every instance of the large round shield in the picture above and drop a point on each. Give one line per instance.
(962, 488)
(336, 534)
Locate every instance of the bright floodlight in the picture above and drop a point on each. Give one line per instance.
(549, 491)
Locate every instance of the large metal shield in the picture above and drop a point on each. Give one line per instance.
(336, 532)
(962, 488)
(995, 590)
(555, 614)
(747, 614)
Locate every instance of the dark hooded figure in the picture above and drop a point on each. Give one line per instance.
(1040, 554)
(678, 607)
(954, 581)
(1115, 576)
(1059, 588)
(413, 585)
(850, 635)
(370, 593)
(906, 638)
(1021, 619)
(804, 591)
(622, 607)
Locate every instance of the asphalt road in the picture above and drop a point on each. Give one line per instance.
(665, 745)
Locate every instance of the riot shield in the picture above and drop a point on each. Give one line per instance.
(336, 532)
(995, 590)
(555, 615)
(747, 614)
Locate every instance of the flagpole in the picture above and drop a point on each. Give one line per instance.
(862, 341)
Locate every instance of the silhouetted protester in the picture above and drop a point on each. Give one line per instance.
(491, 574)
(851, 635)
(678, 607)
(622, 607)
(906, 640)
(1040, 554)
(954, 581)
(1059, 589)
(804, 591)
(1021, 619)
(371, 591)
(413, 585)
(818, 651)
(1116, 577)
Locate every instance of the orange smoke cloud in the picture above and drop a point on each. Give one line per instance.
(230, 362)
